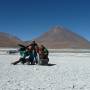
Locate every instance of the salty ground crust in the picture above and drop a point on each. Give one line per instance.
(66, 71)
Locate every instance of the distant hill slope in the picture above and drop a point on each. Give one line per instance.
(7, 40)
(59, 37)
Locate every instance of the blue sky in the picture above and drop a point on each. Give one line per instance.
(28, 19)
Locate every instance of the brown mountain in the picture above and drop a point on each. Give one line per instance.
(59, 37)
(7, 40)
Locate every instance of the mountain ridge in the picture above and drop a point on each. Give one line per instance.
(58, 37)
(55, 38)
(8, 40)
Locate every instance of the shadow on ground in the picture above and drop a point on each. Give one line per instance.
(49, 64)
(38, 64)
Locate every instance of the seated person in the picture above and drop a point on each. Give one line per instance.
(24, 53)
(43, 54)
(30, 55)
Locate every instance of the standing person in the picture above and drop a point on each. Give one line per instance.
(34, 48)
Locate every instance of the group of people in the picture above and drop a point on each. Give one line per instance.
(33, 54)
